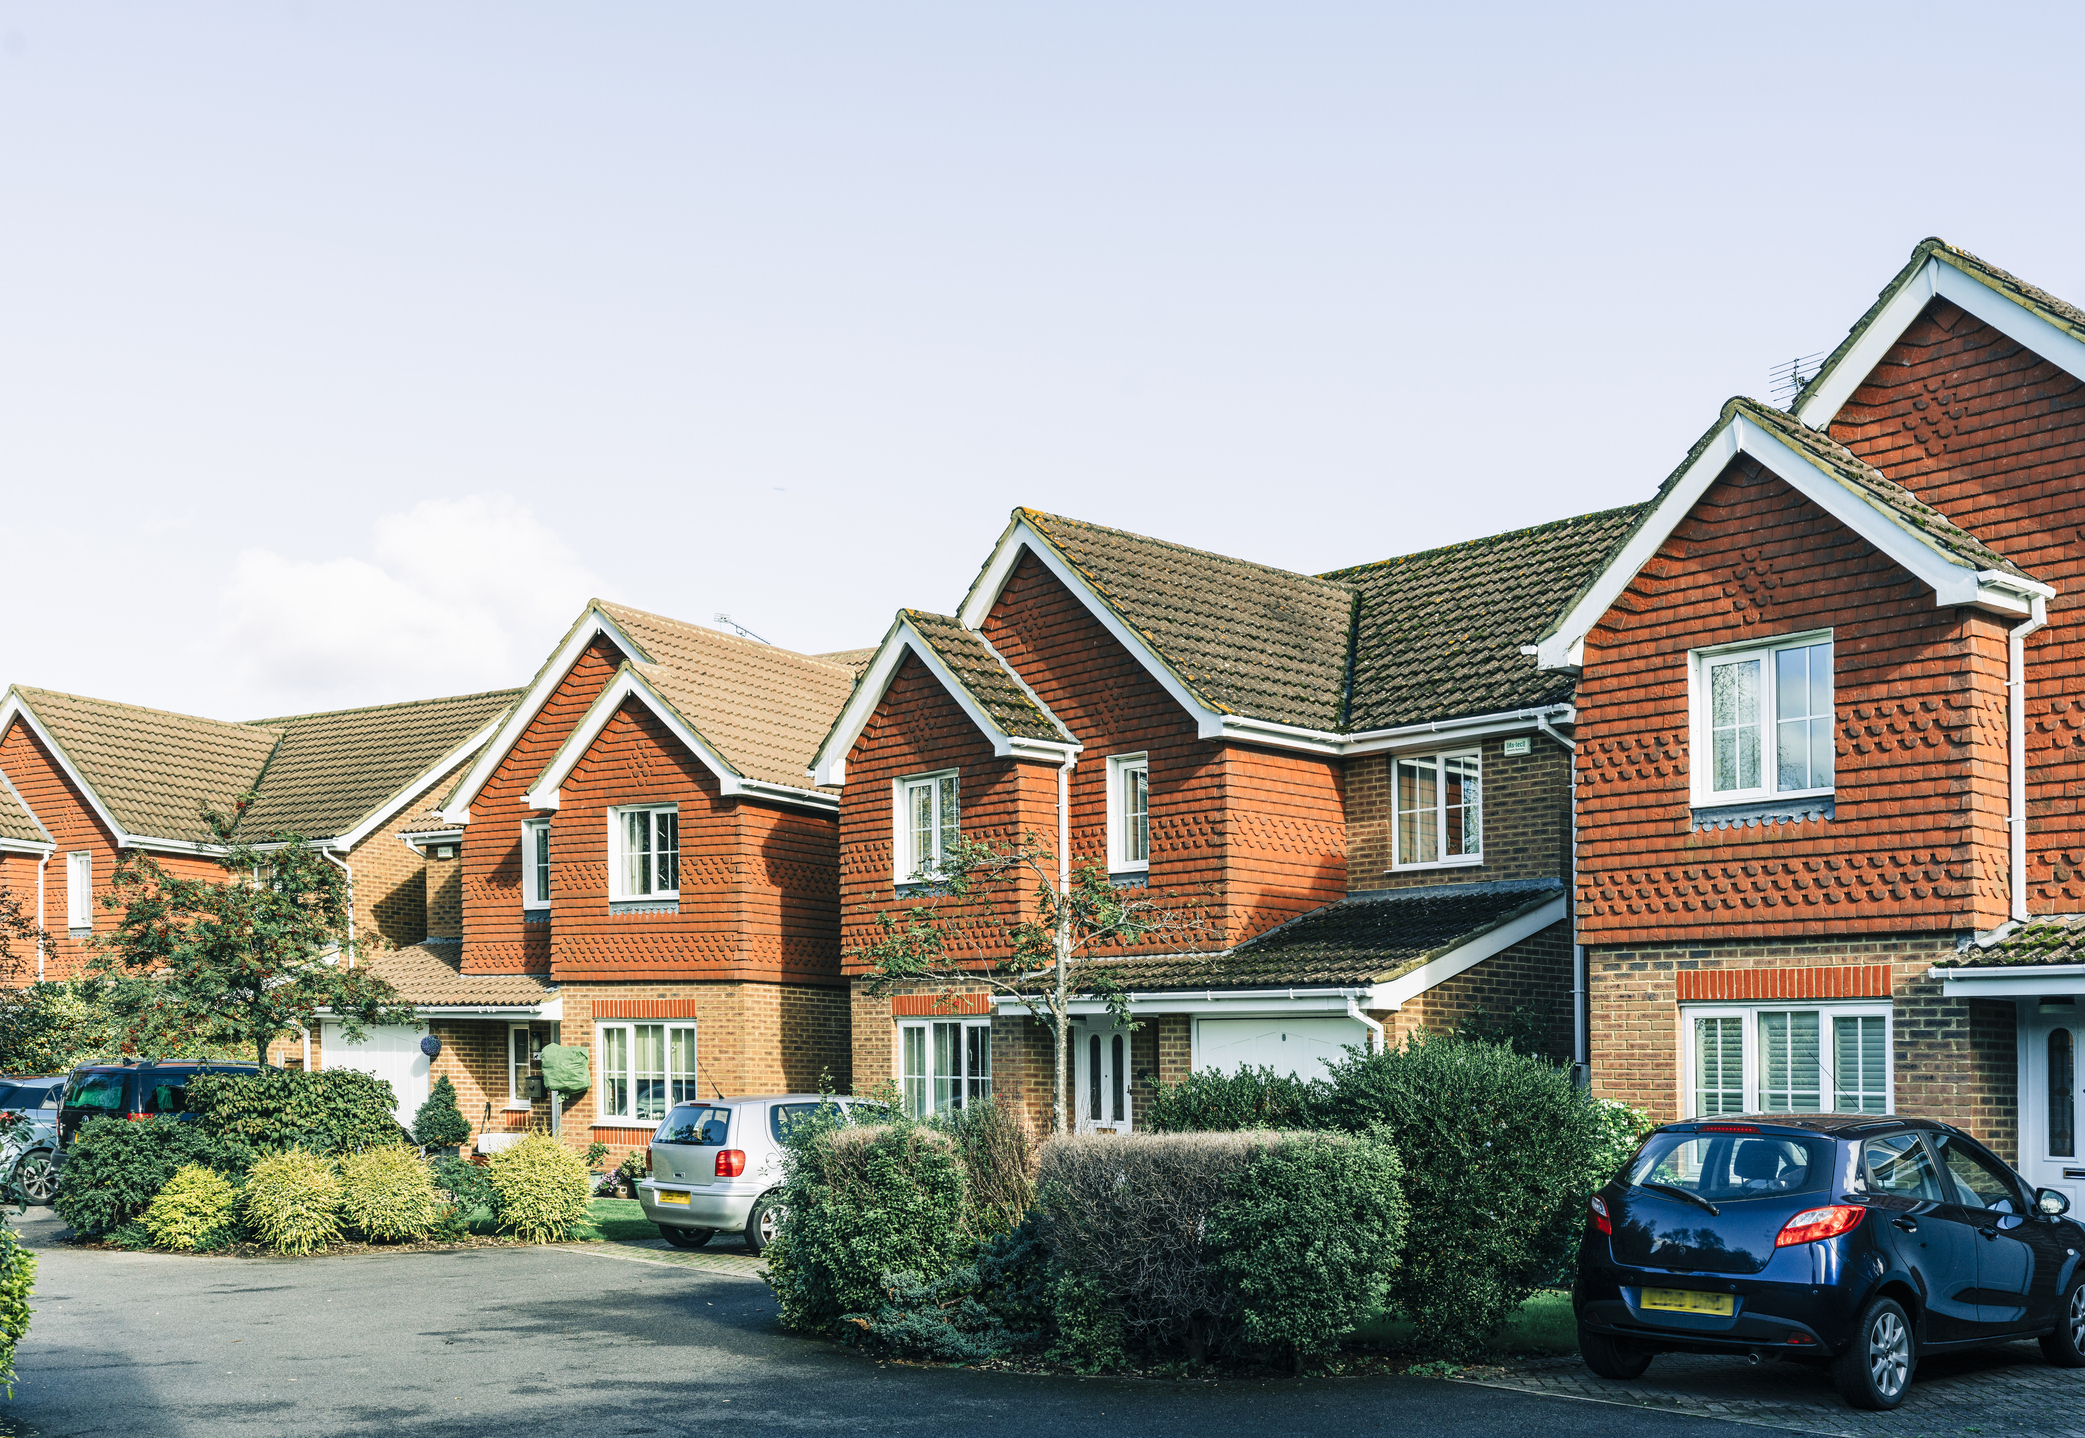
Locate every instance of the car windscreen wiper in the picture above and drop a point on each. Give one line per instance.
(1678, 1192)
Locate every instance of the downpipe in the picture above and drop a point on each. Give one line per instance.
(1581, 989)
(41, 941)
(347, 869)
(2016, 744)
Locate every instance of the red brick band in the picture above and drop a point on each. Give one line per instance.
(1840, 981)
(642, 1009)
(921, 1005)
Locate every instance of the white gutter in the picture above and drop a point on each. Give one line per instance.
(1581, 1035)
(40, 865)
(348, 870)
(1246, 729)
(1380, 1044)
(2016, 723)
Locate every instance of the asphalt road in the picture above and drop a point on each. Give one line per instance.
(550, 1342)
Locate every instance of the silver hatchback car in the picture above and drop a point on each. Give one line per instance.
(716, 1166)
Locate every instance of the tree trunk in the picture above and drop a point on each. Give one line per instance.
(1063, 1007)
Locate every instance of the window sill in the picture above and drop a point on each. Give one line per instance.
(1130, 878)
(518, 1105)
(1754, 813)
(625, 1123)
(535, 916)
(1474, 861)
(79, 933)
(644, 906)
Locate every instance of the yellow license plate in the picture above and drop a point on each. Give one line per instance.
(666, 1197)
(1689, 1300)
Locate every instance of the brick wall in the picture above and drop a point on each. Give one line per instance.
(1526, 808)
(394, 904)
(1531, 977)
(443, 889)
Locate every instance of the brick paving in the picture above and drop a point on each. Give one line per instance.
(1992, 1393)
(732, 1259)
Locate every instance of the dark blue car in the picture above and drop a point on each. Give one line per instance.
(1848, 1239)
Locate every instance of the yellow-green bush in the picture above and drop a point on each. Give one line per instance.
(17, 1278)
(293, 1201)
(195, 1206)
(388, 1194)
(543, 1188)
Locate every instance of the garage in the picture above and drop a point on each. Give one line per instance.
(391, 1052)
(1300, 1046)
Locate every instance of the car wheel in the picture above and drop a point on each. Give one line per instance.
(1875, 1370)
(2066, 1346)
(1612, 1357)
(37, 1176)
(764, 1223)
(687, 1237)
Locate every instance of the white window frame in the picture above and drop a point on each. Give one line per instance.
(1702, 752)
(619, 890)
(518, 1072)
(906, 866)
(1120, 766)
(1748, 1014)
(917, 1093)
(535, 838)
(682, 1087)
(79, 890)
(1440, 810)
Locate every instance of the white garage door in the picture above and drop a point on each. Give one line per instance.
(1287, 1045)
(391, 1053)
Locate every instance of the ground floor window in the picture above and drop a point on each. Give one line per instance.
(645, 1069)
(946, 1065)
(1778, 1058)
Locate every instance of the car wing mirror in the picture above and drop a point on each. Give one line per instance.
(2051, 1201)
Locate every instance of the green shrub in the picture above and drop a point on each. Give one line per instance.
(388, 1195)
(469, 1187)
(17, 1280)
(998, 1303)
(50, 1028)
(292, 1201)
(863, 1202)
(197, 1208)
(542, 1186)
(440, 1123)
(997, 1147)
(114, 1169)
(1252, 1098)
(1620, 1130)
(1496, 1147)
(325, 1112)
(1306, 1238)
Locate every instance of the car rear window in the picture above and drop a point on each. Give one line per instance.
(698, 1124)
(1725, 1166)
(783, 1117)
(97, 1091)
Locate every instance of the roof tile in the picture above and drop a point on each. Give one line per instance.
(430, 974)
(987, 676)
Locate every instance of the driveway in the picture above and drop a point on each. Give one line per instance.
(601, 1341)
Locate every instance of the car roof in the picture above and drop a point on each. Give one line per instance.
(1833, 1124)
(785, 1098)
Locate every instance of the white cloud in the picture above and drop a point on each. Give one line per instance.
(456, 595)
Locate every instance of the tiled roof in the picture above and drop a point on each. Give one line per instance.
(1440, 632)
(2056, 939)
(1247, 638)
(431, 974)
(764, 709)
(856, 659)
(1348, 944)
(154, 770)
(333, 770)
(990, 682)
(16, 822)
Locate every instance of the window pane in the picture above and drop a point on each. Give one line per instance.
(1789, 1070)
(922, 805)
(1115, 1085)
(1734, 724)
(978, 1062)
(1136, 815)
(636, 858)
(916, 1071)
(1719, 1063)
(1418, 823)
(681, 1077)
(948, 1059)
(542, 834)
(1860, 1065)
(951, 819)
(666, 844)
(1803, 717)
(1460, 811)
(1093, 1076)
(1974, 1181)
(1899, 1165)
(648, 1071)
(615, 1070)
(2063, 1096)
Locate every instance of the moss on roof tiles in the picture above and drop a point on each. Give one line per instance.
(2055, 939)
(990, 682)
(431, 974)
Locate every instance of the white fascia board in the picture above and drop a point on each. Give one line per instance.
(551, 1008)
(1395, 993)
(2012, 981)
(629, 684)
(524, 713)
(1939, 279)
(1206, 1001)
(48, 841)
(26, 846)
(388, 810)
(1456, 731)
(14, 708)
(830, 767)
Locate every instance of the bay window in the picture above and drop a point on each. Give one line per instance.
(1763, 720)
(645, 852)
(646, 1068)
(1439, 809)
(929, 825)
(946, 1065)
(1778, 1058)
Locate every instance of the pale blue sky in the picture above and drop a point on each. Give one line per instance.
(344, 349)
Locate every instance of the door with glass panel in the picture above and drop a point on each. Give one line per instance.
(2050, 1033)
(1787, 1060)
(1100, 1077)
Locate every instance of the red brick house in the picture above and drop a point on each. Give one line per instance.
(646, 871)
(1356, 780)
(1829, 748)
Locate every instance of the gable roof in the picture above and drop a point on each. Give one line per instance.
(2052, 328)
(430, 975)
(19, 828)
(1957, 565)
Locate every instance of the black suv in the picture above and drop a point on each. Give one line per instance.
(132, 1091)
(1860, 1241)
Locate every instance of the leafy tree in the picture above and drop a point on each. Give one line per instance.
(1045, 959)
(242, 960)
(21, 937)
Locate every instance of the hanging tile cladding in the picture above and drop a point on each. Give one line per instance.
(1250, 836)
(1918, 838)
(65, 813)
(1993, 436)
(1526, 812)
(1953, 1058)
(758, 892)
(495, 939)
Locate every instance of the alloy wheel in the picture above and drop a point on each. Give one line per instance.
(1889, 1352)
(770, 1223)
(38, 1177)
(2078, 1318)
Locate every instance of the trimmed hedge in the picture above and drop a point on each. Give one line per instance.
(387, 1194)
(543, 1188)
(114, 1169)
(1251, 1098)
(325, 1112)
(198, 1208)
(292, 1201)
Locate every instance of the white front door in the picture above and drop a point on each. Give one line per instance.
(2051, 1154)
(391, 1053)
(1100, 1076)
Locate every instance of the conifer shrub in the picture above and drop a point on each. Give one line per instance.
(292, 1201)
(543, 1188)
(197, 1208)
(440, 1122)
(388, 1194)
(114, 1169)
(998, 1149)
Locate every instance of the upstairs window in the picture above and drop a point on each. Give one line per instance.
(646, 848)
(1129, 813)
(535, 864)
(79, 891)
(929, 824)
(1763, 720)
(1439, 799)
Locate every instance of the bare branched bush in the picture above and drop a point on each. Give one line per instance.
(997, 1143)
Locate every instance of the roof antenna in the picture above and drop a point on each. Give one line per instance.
(1788, 380)
(733, 624)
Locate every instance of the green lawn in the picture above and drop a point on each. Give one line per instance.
(1543, 1325)
(614, 1220)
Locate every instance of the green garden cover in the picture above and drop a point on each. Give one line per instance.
(564, 1068)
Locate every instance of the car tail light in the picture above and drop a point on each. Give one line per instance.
(731, 1162)
(136, 1117)
(1727, 1128)
(648, 1158)
(1815, 1223)
(1600, 1219)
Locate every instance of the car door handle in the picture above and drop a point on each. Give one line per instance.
(1988, 1232)
(1909, 1225)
